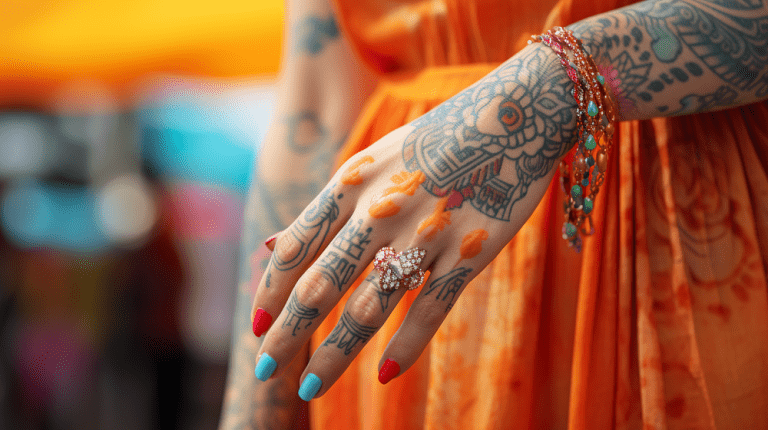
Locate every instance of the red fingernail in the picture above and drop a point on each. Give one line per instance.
(270, 242)
(389, 370)
(261, 322)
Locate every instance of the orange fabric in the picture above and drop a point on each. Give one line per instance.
(660, 323)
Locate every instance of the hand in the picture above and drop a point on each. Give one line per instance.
(458, 183)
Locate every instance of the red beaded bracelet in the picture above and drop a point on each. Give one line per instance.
(595, 119)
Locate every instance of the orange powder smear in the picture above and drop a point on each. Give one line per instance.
(351, 176)
(407, 182)
(472, 244)
(383, 209)
(438, 220)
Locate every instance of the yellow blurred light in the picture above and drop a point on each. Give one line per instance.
(43, 43)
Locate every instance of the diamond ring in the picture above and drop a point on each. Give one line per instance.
(399, 268)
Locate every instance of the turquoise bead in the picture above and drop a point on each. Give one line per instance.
(590, 161)
(592, 108)
(575, 191)
(585, 182)
(590, 143)
(600, 79)
(588, 205)
(569, 229)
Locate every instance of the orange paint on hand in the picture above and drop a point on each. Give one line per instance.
(407, 182)
(351, 176)
(472, 244)
(438, 220)
(383, 209)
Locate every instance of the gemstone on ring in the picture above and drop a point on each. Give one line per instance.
(396, 268)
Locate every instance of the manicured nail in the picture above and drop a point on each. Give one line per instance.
(271, 241)
(389, 370)
(310, 387)
(265, 367)
(261, 322)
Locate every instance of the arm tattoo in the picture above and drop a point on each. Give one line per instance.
(305, 131)
(448, 285)
(310, 231)
(314, 33)
(348, 333)
(648, 47)
(340, 261)
(298, 314)
(487, 144)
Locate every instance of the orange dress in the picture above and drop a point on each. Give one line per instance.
(661, 322)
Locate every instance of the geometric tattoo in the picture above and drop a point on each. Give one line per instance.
(310, 231)
(487, 144)
(343, 255)
(348, 333)
(449, 285)
(297, 313)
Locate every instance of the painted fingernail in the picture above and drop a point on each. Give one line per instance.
(310, 387)
(271, 241)
(389, 370)
(261, 322)
(265, 367)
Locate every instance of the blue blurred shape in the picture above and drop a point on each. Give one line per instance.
(35, 215)
(195, 140)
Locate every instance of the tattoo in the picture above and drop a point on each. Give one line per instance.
(305, 132)
(310, 231)
(448, 285)
(298, 313)
(383, 295)
(727, 38)
(340, 261)
(487, 144)
(314, 33)
(723, 96)
(348, 333)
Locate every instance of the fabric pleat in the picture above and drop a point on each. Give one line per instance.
(661, 322)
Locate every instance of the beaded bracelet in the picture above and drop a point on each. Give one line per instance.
(595, 119)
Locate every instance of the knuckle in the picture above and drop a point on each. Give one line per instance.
(288, 247)
(315, 288)
(365, 308)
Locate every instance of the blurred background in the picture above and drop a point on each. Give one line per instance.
(127, 135)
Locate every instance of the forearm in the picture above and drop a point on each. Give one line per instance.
(666, 58)
(320, 93)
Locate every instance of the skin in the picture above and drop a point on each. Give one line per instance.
(490, 151)
(321, 90)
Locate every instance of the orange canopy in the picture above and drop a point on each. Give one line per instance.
(46, 45)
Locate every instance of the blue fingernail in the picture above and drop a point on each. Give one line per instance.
(310, 387)
(265, 367)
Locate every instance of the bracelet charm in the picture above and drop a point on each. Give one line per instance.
(595, 125)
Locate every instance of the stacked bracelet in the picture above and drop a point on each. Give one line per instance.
(595, 119)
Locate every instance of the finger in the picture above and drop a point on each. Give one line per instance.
(426, 314)
(271, 241)
(320, 288)
(295, 250)
(366, 310)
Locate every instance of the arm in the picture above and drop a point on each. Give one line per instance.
(461, 180)
(320, 92)
(667, 58)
